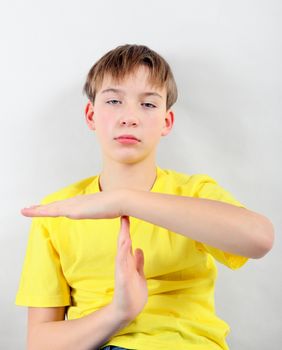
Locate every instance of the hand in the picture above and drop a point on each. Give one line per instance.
(100, 205)
(131, 292)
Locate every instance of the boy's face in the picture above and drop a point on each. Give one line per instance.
(127, 109)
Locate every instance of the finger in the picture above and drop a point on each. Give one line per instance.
(124, 240)
(125, 248)
(126, 232)
(125, 223)
(139, 259)
(34, 210)
(124, 229)
(42, 211)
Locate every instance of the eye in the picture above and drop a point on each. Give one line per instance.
(112, 102)
(149, 105)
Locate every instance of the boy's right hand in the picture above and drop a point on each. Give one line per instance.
(131, 292)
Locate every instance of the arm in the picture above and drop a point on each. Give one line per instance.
(221, 225)
(48, 329)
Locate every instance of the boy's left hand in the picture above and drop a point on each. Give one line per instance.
(100, 205)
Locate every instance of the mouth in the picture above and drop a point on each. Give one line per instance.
(127, 137)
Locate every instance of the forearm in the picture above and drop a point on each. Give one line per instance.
(221, 225)
(86, 333)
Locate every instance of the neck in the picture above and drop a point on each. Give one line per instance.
(140, 176)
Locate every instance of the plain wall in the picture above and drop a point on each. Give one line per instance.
(226, 57)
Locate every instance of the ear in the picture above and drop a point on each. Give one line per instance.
(89, 115)
(169, 121)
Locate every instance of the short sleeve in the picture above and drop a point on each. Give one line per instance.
(205, 186)
(42, 282)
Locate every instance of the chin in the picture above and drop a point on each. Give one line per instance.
(128, 158)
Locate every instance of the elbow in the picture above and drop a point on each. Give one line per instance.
(264, 237)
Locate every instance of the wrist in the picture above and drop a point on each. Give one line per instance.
(123, 197)
(122, 318)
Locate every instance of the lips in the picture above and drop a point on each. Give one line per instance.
(131, 137)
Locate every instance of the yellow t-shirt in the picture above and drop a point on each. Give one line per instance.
(71, 262)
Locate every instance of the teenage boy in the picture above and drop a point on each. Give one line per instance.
(161, 296)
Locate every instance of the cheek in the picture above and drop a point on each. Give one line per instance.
(105, 129)
(152, 127)
(104, 122)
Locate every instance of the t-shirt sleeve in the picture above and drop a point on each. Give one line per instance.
(42, 282)
(205, 186)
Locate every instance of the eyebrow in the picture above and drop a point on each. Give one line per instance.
(149, 93)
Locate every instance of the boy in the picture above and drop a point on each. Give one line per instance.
(161, 296)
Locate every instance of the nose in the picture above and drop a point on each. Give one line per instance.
(129, 121)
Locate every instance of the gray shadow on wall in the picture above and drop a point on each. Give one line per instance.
(63, 147)
(209, 129)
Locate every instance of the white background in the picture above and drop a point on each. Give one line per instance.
(226, 57)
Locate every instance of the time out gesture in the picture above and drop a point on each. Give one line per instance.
(131, 293)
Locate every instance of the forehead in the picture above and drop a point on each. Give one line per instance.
(138, 81)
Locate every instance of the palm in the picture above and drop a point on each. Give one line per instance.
(131, 291)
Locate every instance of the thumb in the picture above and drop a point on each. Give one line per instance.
(139, 259)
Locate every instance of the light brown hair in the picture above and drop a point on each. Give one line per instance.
(122, 61)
